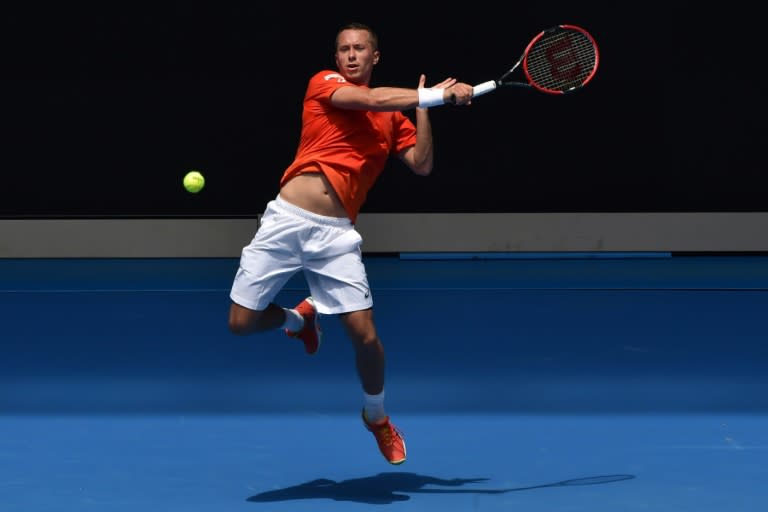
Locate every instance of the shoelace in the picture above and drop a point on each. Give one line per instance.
(385, 435)
(386, 431)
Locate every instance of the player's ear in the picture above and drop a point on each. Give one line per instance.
(376, 57)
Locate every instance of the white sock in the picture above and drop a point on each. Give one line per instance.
(374, 407)
(293, 320)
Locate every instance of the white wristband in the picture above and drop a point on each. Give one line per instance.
(429, 97)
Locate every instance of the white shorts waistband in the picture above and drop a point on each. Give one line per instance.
(281, 204)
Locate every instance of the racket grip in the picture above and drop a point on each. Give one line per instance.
(483, 88)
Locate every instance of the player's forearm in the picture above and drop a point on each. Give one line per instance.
(423, 152)
(383, 99)
(389, 99)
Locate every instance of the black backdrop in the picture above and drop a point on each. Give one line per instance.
(106, 106)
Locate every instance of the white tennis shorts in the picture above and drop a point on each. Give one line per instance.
(289, 239)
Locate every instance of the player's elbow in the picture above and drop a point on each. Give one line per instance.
(418, 160)
(423, 169)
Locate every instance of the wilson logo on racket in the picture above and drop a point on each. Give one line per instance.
(558, 60)
(564, 62)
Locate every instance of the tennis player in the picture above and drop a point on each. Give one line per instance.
(349, 130)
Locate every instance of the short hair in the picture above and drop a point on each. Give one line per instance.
(372, 37)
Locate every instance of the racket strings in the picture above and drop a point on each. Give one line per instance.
(561, 60)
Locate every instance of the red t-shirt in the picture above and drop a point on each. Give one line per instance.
(350, 147)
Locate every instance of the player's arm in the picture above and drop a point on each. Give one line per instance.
(419, 157)
(391, 99)
(378, 99)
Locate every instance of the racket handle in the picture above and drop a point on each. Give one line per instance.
(483, 88)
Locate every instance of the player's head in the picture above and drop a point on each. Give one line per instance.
(357, 51)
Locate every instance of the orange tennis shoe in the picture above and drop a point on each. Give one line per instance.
(310, 334)
(390, 440)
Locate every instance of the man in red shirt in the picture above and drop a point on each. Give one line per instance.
(349, 130)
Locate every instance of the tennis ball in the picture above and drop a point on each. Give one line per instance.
(194, 182)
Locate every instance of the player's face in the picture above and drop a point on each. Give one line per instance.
(355, 56)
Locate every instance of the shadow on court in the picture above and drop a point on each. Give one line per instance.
(386, 488)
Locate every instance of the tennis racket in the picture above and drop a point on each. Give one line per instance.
(559, 60)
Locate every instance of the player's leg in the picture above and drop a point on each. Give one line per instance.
(369, 353)
(248, 321)
(299, 322)
(266, 264)
(339, 286)
(370, 361)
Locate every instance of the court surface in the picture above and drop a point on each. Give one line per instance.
(541, 384)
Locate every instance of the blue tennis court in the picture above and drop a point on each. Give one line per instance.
(538, 384)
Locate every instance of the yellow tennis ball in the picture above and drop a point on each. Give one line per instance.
(194, 182)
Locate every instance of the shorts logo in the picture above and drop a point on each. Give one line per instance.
(367, 293)
(337, 76)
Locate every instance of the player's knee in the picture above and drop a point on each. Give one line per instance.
(244, 321)
(238, 327)
(368, 342)
(240, 324)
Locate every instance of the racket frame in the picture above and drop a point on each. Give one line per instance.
(490, 85)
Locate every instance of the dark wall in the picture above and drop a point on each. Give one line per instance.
(106, 106)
